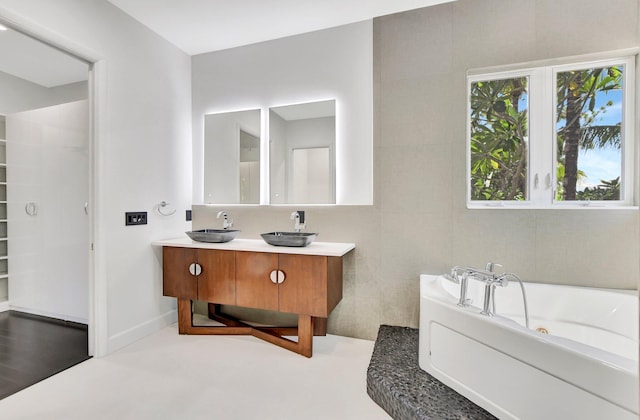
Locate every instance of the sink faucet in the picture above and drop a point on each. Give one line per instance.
(226, 223)
(298, 216)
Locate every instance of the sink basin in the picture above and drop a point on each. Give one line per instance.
(213, 235)
(289, 238)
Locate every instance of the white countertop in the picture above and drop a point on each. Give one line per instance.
(330, 249)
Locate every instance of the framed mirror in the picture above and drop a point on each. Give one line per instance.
(302, 139)
(232, 157)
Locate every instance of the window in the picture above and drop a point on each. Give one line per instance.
(552, 136)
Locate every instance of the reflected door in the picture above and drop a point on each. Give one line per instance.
(311, 176)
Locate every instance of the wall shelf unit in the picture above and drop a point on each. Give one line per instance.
(4, 243)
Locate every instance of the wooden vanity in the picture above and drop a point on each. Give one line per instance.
(250, 273)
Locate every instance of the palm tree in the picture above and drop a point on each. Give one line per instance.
(576, 115)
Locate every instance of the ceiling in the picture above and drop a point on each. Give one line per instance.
(32, 60)
(199, 26)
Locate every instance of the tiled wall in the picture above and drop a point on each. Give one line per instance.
(48, 159)
(419, 222)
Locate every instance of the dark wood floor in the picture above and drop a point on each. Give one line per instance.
(33, 348)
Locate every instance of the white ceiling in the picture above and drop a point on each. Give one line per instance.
(199, 26)
(32, 60)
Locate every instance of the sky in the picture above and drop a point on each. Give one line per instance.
(601, 164)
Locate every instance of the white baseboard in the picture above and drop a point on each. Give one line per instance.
(4, 306)
(49, 314)
(133, 334)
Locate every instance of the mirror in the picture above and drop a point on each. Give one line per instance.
(302, 140)
(232, 157)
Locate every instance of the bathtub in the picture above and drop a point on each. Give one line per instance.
(585, 367)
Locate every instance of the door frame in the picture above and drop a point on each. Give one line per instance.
(97, 284)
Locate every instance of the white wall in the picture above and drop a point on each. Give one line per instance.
(304, 134)
(48, 151)
(222, 153)
(419, 222)
(21, 95)
(331, 64)
(277, 159)
(143, 154)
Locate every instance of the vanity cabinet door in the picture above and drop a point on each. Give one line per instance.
(176, 279)
(217, 281)
(304, 290)
(254, 288)
(312, 286)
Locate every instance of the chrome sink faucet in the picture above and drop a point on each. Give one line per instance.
(226, 222)
(298, 216)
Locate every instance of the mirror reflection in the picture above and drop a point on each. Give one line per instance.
(232, 157)
(302, 153)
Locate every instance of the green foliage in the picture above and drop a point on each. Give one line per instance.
(607, 190)
(498, 140)
(576, 107)
(499, 125)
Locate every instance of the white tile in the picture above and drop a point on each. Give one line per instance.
(169, 376)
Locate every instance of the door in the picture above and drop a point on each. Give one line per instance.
(254, 288)
(177, 281)
(217, 281)
(304, 289)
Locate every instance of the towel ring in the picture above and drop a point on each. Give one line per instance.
(164, 209)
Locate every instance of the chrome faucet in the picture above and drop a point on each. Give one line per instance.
(491, 265)
(298, 216)
(489, 287)
(461, 275)
(226, 222)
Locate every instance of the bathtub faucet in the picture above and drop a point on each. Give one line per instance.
(460, 275)
(489, 288)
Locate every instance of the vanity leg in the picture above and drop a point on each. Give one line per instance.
(185, 316)
(305, 335)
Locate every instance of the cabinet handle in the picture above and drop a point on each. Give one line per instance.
(195, 269)
(277, 276)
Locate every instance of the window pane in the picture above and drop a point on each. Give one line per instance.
(499, 130)
(588, 134)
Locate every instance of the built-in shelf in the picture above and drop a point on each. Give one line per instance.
(4, 242)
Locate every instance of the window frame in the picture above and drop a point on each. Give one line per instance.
(542, 134)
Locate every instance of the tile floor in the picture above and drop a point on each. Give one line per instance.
(169, 376)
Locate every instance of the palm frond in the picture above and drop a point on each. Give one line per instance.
(600, 137)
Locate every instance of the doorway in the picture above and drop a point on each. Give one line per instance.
(44, 103)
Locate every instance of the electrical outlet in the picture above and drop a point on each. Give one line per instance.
(188, 215)
(135, 218)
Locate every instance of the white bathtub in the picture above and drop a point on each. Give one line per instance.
(585, 368)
